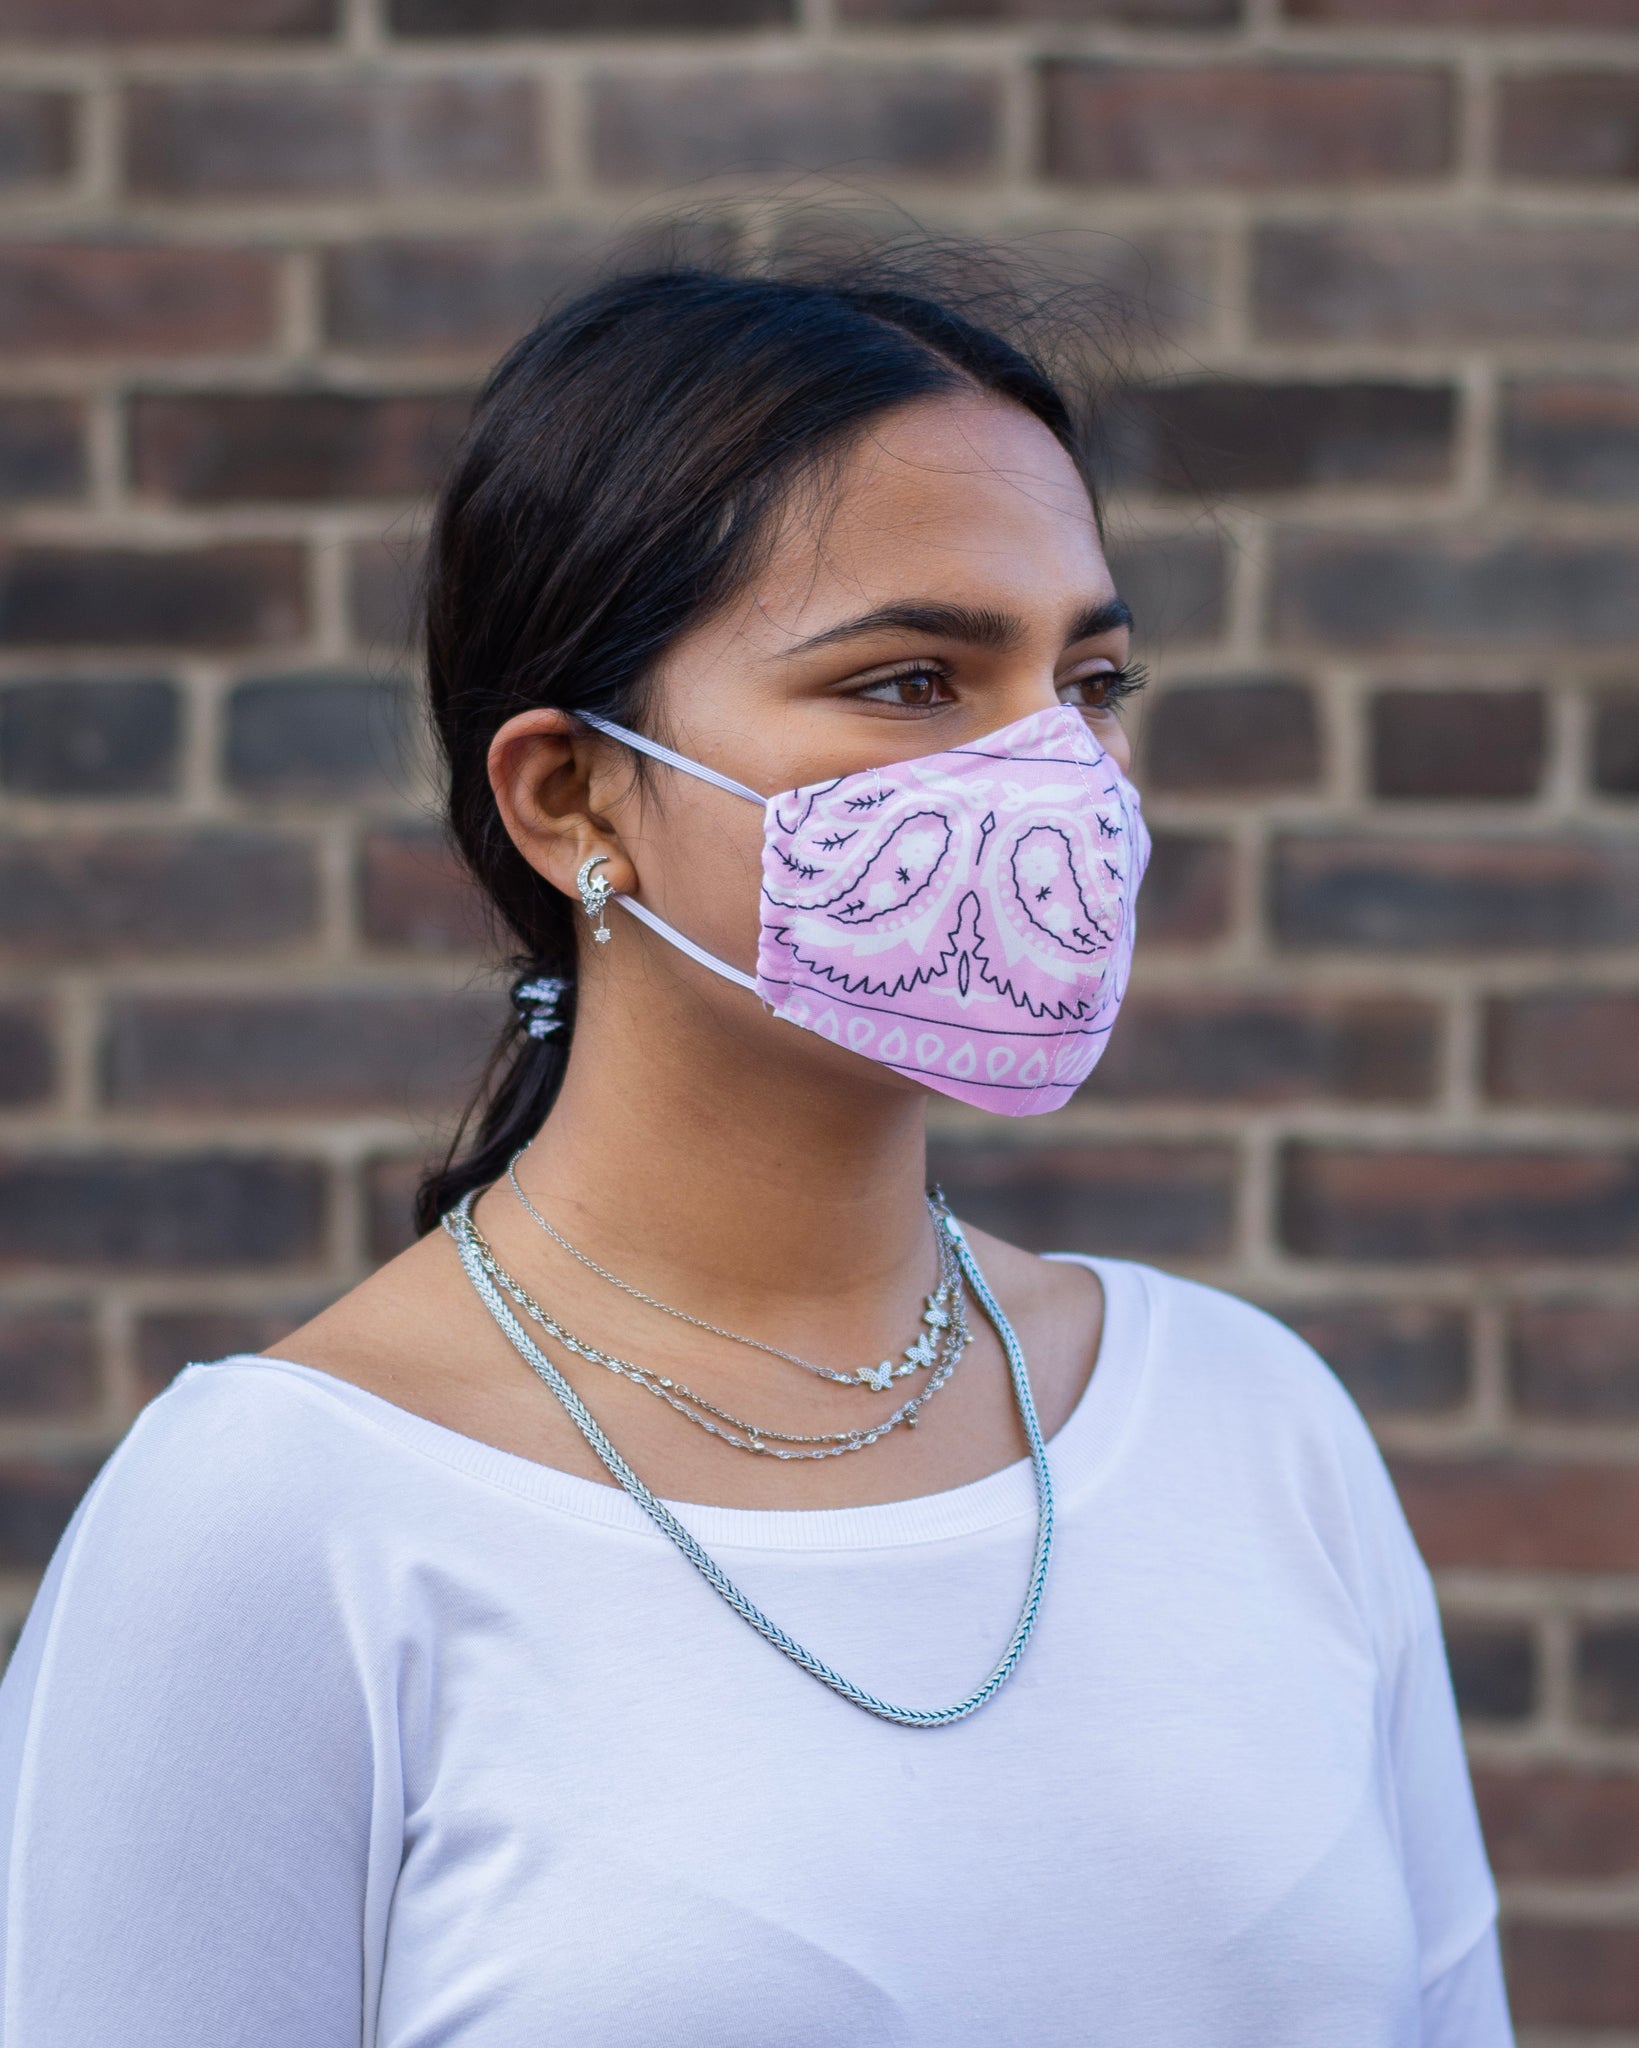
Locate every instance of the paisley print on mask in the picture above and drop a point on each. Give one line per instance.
(966, 917)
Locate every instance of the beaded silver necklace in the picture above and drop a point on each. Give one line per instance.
(712, 1572)
(952, 1342)
(941, 1305)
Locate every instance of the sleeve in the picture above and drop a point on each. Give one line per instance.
(1467, 2005)
(1443, 1856)
(1427, 1787)
(185, 1758)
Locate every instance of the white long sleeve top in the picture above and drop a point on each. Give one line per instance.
(331, 1726)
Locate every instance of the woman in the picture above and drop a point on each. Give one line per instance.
(848, 1628)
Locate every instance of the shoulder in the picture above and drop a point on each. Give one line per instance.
(237, 1475)
(1224, 1352)
(218, 1556)
(241, 1425)
(1253, 1407)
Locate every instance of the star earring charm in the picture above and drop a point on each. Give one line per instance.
(594, 895)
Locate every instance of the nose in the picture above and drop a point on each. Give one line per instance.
(1039, 691)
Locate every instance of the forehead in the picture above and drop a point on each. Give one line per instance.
(960, 498)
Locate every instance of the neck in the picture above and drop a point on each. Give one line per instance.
(736, 1169)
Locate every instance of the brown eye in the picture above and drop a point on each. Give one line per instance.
(1103, 689)
(913, 689)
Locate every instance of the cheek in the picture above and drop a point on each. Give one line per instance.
(1116, 741)
(699, 864)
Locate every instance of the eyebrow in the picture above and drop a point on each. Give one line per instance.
(978, 626)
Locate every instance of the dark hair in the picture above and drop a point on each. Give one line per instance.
(619, 472)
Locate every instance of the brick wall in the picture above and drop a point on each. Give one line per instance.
(1380, 511)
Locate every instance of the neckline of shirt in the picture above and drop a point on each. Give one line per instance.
(1078, 1453)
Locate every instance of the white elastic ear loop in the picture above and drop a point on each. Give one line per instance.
(641, 911)
(659, 753)
(645, 915)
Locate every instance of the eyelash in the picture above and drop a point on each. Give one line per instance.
(1118, 684)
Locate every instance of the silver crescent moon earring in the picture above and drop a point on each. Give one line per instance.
(594, 895)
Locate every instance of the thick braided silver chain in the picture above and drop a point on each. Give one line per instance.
(713, 1573)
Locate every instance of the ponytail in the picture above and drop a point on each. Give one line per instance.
(519, 1085)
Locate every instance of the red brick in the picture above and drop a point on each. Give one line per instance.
(133, 1211)
(1419, 893)
(1493, 1669)
(1176, 584)
(1562, 1973)
(389, 1204)
(662, 127)
(1521, 1514)
(1446, 281)
(1457, 743)
(166, 20)
(1244, 125)
(415, 892)
(1572, 437)
(210, 448)
(28, 1060)
(1268, 1048)
(1121, 13)
(1576, 1361)
(475, 295)
(1564, 1046)
(1219, 436)
(171, 1338)
(1154, 282)
(384, 595)
(348, 1052)
(37, 1498)
(107, 895)
(1475, 1205)
(1559, 1823)
(248, 594)
(36, 137)
(1616, 743)
(1607, 1674)
(1147, 284)
(102, 299)
(42, 448)
(48, 1362)
(1580, 125)
(1395, 1357)
(321, 733)
(1127, 1200)
(566, 17)
(1188, 888)
(342, 135)
(1461, 591)
(90, 736)
(1215, 737)
(1595, 14)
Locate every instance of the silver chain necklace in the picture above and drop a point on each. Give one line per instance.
(713, 1573)
(935, 1316)
(676, 1394)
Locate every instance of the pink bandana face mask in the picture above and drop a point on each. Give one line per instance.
(966, 917)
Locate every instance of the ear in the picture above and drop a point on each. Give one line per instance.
(548, 773)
